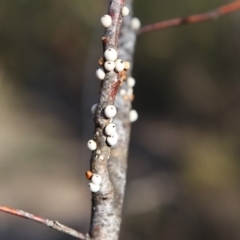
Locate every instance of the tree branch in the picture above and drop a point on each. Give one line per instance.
(49, 223)
(211, 15)
(117, 165)
(105, 223)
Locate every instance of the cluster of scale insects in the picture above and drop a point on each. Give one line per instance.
(110, 62)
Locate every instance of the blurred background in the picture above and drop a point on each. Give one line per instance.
(184, 167)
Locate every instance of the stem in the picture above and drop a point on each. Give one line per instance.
(49, 223)
(211, 15)
(105, 222)
(118, 161)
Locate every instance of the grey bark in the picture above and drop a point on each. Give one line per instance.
(117, 164)
(111, 164)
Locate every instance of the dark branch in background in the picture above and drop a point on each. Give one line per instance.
(211, 15)
(105, 222)
(49, 223)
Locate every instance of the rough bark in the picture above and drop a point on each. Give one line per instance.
(117, 164)
(105, 224)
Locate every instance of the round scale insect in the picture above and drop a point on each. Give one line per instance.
(109, 66)
(96, 179)
(119, 65)
(100, 74)
(133, 115)
(106, 21)
(122, 92)
(110, 111)
(94, 187)
(110, 129)
(135, 24)
(110, 54)
(92, 145)
(112, 140)
(131, 81)
(125, 11)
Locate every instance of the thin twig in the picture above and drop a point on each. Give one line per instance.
(49, 223)
(211, 15)
(105, 220)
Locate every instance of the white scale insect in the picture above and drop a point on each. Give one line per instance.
(110, 54)
(112, 140)
(109, 66)
(96, 179)
(110, 111)
(92, 145)
(110, 129)
(100, 74)
(131, 81)
(106, 21)
(119, 65)
(133, 115)
(94, 187)
(125, 11)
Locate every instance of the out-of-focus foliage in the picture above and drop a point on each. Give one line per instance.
(45, 43)
(183, 180)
